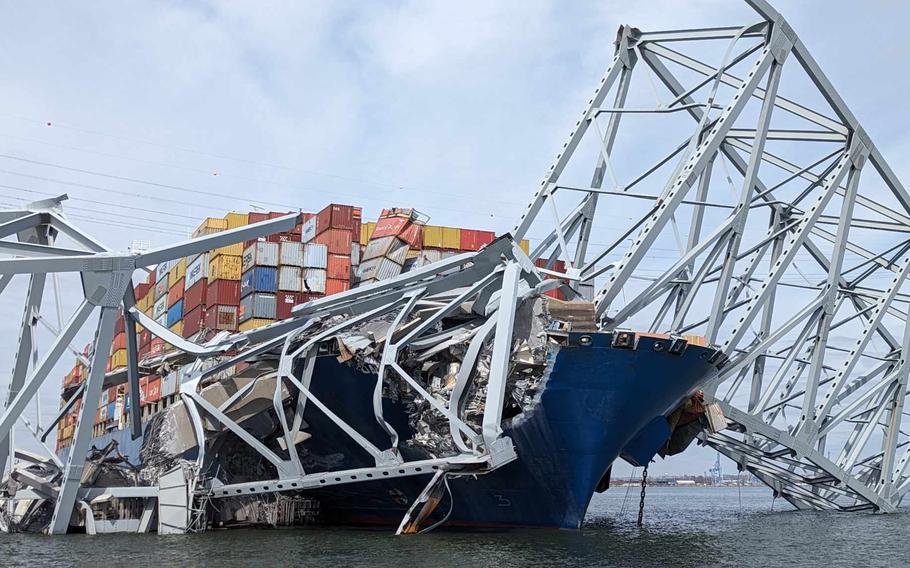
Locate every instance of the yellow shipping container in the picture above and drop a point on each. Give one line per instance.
(142, 303)
(525, 245)
(210, 225)
(451, 238)
(235, 249)
(176, 273)
(118, 359)
(225, 267)
(432, 236)
(177, 328)
(235, 220)
(366, 231)
(253, 323)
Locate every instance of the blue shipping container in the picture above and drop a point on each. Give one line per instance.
(259, 279)
(175, 313)
(111, 409)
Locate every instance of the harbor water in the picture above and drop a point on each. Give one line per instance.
(683, 527)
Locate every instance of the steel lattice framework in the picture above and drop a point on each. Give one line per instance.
(732, 197)
(768, 223)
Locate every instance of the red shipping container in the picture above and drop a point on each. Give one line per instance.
(305, 297)
(256, 217)
(283, 237)
(145, 349)
(175, 294)
(119, 342)
(335, 216)
(195, 296)
(276, 214)
(334, 286)
(285, 302)
(558, 266)
(145, 337)
(220, 317)
(413, 235)
(142, 289)
(192, 321)
(390, 226)
(156, 347)
(337, 241)
(119, 326)
(358, 218)
(472, 239)
(339, 266)
(153, 389)
(224, 292)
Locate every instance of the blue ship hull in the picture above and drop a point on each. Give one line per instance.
(597, 403)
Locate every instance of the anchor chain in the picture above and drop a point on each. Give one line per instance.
(641, 503)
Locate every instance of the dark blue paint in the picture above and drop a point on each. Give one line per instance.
(259, 279)
(595, 401)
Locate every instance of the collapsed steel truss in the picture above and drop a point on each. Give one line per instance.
(816, 375)
(777, 194)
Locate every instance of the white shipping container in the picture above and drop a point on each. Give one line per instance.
(169, 384)
(162, 319)
(315, 256)
(197, 270)
(261, 253)
(355, 253)
(308, 230)
(426, 257)
(289, 279)
(391, 247)
(257, 305)
(290, 253)
(160, 307)
(314, 280)
(377, 269)
(162, 269)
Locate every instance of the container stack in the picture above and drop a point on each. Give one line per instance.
(176, 286)
(258, 285)
(335, 227)
(221, 277)
(314, 273)
(396, 233)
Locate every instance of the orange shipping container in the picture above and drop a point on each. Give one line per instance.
(175, 294)
(337, 241)
(335, 285)
(339, 266)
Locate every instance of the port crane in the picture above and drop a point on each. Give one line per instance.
(734, 195)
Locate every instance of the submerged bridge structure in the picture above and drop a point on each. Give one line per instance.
(734, 195)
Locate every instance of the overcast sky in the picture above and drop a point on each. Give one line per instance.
(177, 110)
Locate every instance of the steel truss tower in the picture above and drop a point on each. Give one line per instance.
(734, 196)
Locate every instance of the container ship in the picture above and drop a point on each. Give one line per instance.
(594, 397)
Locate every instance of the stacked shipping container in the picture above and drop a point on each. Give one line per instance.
(247, 285)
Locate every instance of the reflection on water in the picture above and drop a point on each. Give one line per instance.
(683, 527)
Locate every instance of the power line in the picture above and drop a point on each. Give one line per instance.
(219, 173)
(106, 203)
(141, 181)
